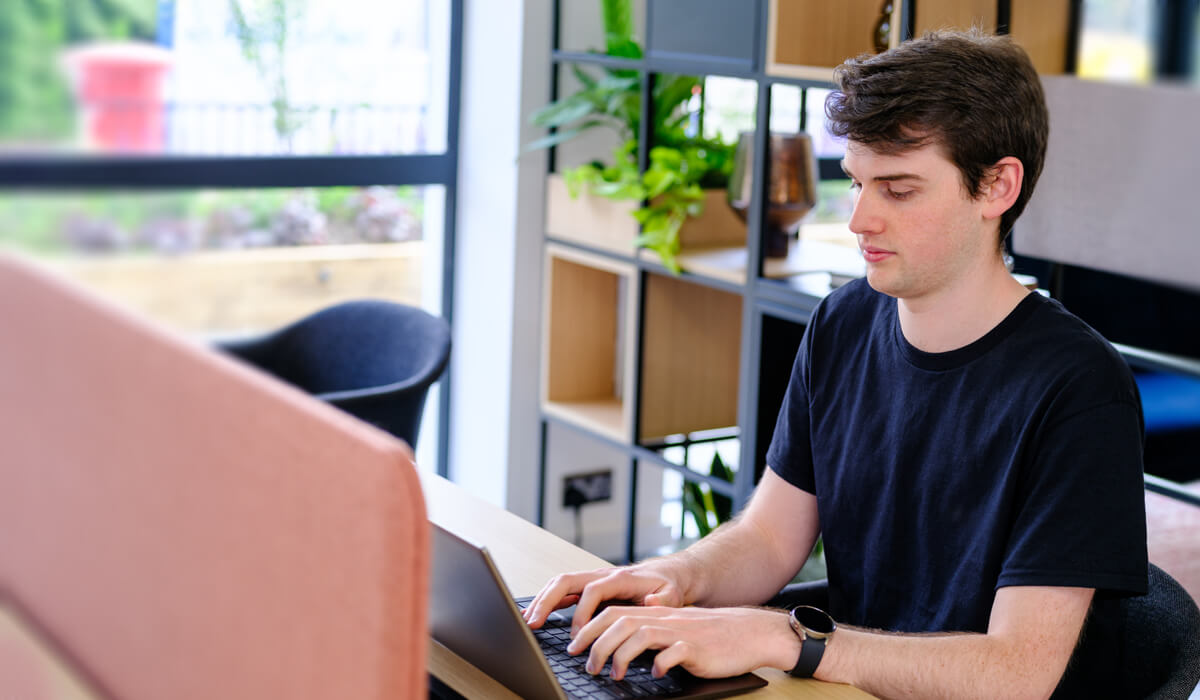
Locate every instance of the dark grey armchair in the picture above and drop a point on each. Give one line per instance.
(374, 359)
(1162, 641)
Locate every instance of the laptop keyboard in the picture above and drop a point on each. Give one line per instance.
(578, 683)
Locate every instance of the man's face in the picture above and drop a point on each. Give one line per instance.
(919, 231)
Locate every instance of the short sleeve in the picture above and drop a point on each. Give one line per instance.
(1081, 517)
(790, 452)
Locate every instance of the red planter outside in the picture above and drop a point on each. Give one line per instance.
(119, 87)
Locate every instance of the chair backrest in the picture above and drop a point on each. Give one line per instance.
(1162, 640)
(372, 358)
(180, 526)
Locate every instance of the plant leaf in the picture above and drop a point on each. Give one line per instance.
(624, 48)
(670, 93)
(722, 505)
(666, 157)
(658, 181)
(562, 135)
(564, 112)
(617, 16)
(693, 503)
(583, 76)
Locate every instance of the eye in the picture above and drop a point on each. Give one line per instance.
(855, 185)
(900, 195)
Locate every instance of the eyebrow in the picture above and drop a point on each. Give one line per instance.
(884, 178)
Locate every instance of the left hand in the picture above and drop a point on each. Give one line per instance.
(708, 642)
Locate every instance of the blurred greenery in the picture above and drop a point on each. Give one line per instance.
(35, 99)
(708, 508)
(264, 30)
(40, 222)
(835, 201)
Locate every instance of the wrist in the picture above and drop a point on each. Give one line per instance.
(785, 645)
(815, 629)
(833, 667)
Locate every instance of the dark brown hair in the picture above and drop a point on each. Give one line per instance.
(978, 96)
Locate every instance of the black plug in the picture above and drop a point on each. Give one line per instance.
(574, 499)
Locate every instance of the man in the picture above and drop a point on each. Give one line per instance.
(969, 451)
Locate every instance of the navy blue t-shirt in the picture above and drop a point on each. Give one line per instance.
(940, 477)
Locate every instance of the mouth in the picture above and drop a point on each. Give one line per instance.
(874, 255)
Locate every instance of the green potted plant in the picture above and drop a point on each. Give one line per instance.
(682, 163)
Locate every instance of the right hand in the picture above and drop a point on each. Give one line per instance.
(649, 583)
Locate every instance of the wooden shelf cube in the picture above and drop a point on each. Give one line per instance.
(808, 38)
(690, 357)
(588, 314)
(1041, 27)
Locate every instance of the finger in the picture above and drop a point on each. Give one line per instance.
(645, 637)
(591, 631)
(562, 591)
(617, 632)
(666, 596)
(671, 656)
(566, 602)
(592, 595)
(619, 584)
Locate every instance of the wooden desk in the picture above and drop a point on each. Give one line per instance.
(527, 557)
(32, 668)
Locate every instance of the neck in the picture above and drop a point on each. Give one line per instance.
(959, 314)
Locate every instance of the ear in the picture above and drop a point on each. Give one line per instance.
(1002, 187)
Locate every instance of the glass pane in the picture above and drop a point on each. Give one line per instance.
(1116, 40)
(728, 107)
(224, 263)
(228, 262)
(824, 143)
(786, 103)
(690, 509)
(230, 77)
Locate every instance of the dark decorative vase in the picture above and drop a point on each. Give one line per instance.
(791, 193)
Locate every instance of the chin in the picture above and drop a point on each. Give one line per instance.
(880, 283)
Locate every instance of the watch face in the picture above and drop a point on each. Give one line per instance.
(813, 619)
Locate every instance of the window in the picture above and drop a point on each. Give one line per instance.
(1116, 40)
(227, 166)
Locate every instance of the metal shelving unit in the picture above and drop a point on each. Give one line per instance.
(768, 306)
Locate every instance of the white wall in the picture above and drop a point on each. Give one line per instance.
(494, 422)
(495, 434)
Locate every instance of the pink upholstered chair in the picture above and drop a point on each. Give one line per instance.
(175, 525)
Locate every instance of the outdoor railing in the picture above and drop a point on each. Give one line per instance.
(227, 129)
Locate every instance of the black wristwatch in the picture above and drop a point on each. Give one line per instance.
(814, 626)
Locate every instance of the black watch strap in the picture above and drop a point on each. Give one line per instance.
(811, 651)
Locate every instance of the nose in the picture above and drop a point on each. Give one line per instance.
(865, 219)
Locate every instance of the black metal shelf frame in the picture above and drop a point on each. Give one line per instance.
(649, 68)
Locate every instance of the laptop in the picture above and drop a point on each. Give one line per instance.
(473, 614)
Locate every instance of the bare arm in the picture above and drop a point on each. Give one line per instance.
(745, 561)
(1031, 635)
(752, 557)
